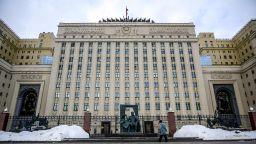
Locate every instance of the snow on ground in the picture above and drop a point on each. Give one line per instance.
(212, 134)
(54, 134)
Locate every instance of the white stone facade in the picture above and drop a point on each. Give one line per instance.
(98, 66)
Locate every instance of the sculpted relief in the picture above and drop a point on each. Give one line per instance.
(126, 30)
(221, 76)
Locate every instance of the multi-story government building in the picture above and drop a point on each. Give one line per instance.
(98, 66)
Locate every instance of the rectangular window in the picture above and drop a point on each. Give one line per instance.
(180, 44)
(116, 107)
(96, 106)
(86, 106)
(146, 94)
(177, 106)
(77, 85)
(198, 107)
(127, 94)
(65, 107)
(58, 85)
(67, 94)
(188, 106)
(77, 94)
(137, 94)
(57, 94)
(157, 106)
(55, 107)
(67, 84)
(193, 74)
(167, 106)
(75, 107)
(147, 106)
(106, 107)
(87, 95)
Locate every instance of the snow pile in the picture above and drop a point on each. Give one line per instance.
(54, 134)
(205, 133)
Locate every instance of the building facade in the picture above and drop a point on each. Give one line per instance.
(232, 72)
(23, 68)
(98, 66)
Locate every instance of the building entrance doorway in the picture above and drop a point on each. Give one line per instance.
(148, 127)
(226, 105)
(27, 100)
(105, 127)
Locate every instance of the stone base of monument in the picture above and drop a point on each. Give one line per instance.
(132, 134)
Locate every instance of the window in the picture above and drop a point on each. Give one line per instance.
(177, 106)
(57, 94)
(156, 85)
(67, 84)
(58, 85)
(180, 44)
(198, 107)
(87, 95)
(75, 107)
(65, 107)
(96, 106)
(72, 44)
(147, 94)
(77, 94)
(117, 94)
(127, 94)
(193, 74)
(55, 107)
(106, 107)
(86, 106)
(167, 106)
(116, 106)
(147, 106)
(157, 106)
(137, 94)
(67, 94)
(156, 94)
(187, 106)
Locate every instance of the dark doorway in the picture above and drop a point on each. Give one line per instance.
(226, 105)
(148, 127)
(27, 100)
(28, 107)
(105, 127)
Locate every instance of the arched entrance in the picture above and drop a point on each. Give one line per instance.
(27, 100)
(226, 105)
(28, 106)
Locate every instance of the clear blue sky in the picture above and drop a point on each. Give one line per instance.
(223, 17)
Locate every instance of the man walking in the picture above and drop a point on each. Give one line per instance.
(163, 131)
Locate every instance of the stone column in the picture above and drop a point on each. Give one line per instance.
(3, 120)
(87, 122)
(252, 117)
(171, 123)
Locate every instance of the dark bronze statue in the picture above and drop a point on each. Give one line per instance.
(214, 121)
(131, 124)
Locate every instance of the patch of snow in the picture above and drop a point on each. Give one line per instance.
(57, 133)
(205, 133)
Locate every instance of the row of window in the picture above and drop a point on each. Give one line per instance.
(116, 106)
(117, 44)
(127, 94)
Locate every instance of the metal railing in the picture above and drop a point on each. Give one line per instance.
(18, 122)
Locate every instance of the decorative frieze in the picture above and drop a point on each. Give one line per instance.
(221, 76)
(31, 77)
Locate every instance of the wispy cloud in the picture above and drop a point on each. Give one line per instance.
(223, 17)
